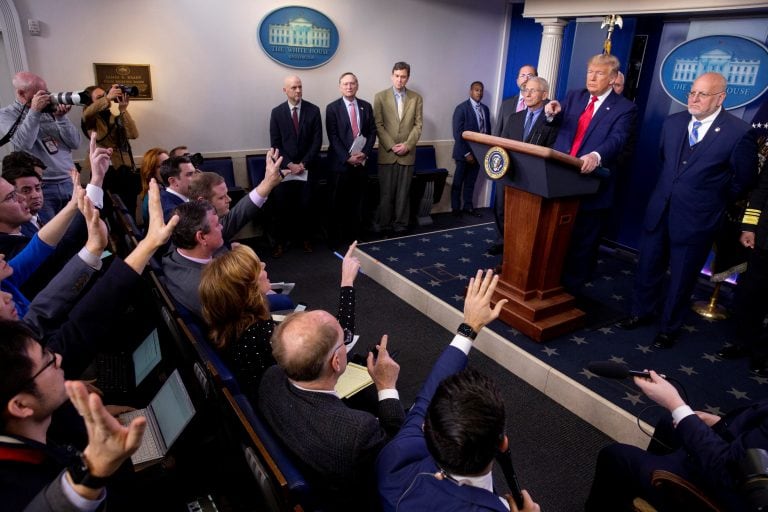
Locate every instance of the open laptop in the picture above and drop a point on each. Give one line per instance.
(116, 374)
(167, 416)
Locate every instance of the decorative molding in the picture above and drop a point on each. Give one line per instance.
(10, 27)
(575, 8)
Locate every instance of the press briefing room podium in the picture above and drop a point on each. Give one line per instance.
(541, 200)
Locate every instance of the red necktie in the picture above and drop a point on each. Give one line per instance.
(581, 129)
(353, 118)
(295, 116)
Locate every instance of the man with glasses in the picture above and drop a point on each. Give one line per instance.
(32, 387)
(337, 445)
(595, 125)
(708, 160)
(527, 125)
(515, 103)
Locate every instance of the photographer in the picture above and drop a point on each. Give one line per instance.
(114, 131)
(35, 125)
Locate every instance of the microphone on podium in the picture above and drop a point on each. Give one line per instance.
(612, 370)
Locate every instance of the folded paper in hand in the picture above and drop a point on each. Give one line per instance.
(357, 145)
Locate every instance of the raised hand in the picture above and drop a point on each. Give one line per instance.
(477, 304)
(350, 266)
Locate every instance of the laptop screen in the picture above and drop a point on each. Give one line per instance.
(146, 357)
(172, 408)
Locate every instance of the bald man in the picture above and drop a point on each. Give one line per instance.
(296, 130)
(35, 125)
(336, 445)
(708, 160)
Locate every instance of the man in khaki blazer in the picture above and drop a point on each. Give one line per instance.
(399, 120)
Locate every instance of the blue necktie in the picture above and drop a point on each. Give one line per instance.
(527, 127)
(481, 119)
(693, 138)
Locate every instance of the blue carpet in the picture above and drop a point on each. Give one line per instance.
(441, 263)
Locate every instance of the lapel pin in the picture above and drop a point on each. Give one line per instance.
(717, 129)
(607, 108)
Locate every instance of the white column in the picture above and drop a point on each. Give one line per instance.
(551, 46)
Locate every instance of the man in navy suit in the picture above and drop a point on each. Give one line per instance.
(443, 456)
(296, 130)
(701, 447)
(518, 127)
(514, 104)
(595, 125)
(708, 159)
(474, 116)
(346, 119)
(177, 177)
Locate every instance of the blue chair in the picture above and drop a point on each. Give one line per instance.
(428, 184)
(256, 165)
(223, 167)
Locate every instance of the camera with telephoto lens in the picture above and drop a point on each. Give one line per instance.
(81, 98)
(753, 469)
(129, 90)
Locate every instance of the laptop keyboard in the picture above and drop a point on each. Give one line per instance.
(149, 449)
(112, 373)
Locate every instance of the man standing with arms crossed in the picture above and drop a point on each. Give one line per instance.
(399, 119)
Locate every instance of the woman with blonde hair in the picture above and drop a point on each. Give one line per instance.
(233, 290)
(150, 168)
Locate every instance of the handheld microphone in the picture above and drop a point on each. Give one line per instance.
(612, 370)
(505, 461)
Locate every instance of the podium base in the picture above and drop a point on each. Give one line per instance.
(540, 319)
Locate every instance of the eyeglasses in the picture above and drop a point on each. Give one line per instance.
(697, 94)
(12, 196)
(51, 362)
(530, 91)
(526, 75)
(348, 337)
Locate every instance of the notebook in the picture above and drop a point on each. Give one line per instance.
(117, 374)
(354, 378)
(167, 415)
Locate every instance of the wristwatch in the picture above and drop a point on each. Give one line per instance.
(467, 330)
(78, 470)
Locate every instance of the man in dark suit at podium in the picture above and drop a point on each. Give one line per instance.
(474, 116)
(708, 160)
(528, 125)
(595, 125)
(345, 119)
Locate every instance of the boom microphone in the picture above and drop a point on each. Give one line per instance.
(612, 370)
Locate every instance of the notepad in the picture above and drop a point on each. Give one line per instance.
(354, 378)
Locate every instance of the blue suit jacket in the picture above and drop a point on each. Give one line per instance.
(464, 119)
(303, 148)
(406, 470)
(169, 202)
(339, 130)
(721, 168)
(608, 133)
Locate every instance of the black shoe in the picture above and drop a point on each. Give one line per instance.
(456, 213)
(665, 340)
(473, 213)
(634, 321)
(732, 352)
(496, 249)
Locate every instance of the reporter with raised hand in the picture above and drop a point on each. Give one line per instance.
(442, 458)
(81, 487)
(698, 446)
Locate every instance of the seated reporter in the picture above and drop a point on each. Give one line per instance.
(442, 458)
(700, 447)
(150, 168)
(32, 378)
(235, 304)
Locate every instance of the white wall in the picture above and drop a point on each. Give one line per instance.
(213, 85)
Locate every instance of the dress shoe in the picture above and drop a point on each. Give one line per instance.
(633, 322)
(732, 352)
(456, 213)
(665, 340)
(307, 246)
(496, 249)
(472, 212)
(278, 251)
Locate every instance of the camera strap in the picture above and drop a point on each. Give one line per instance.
(7, 137)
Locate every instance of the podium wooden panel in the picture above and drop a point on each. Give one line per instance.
(541, 202)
